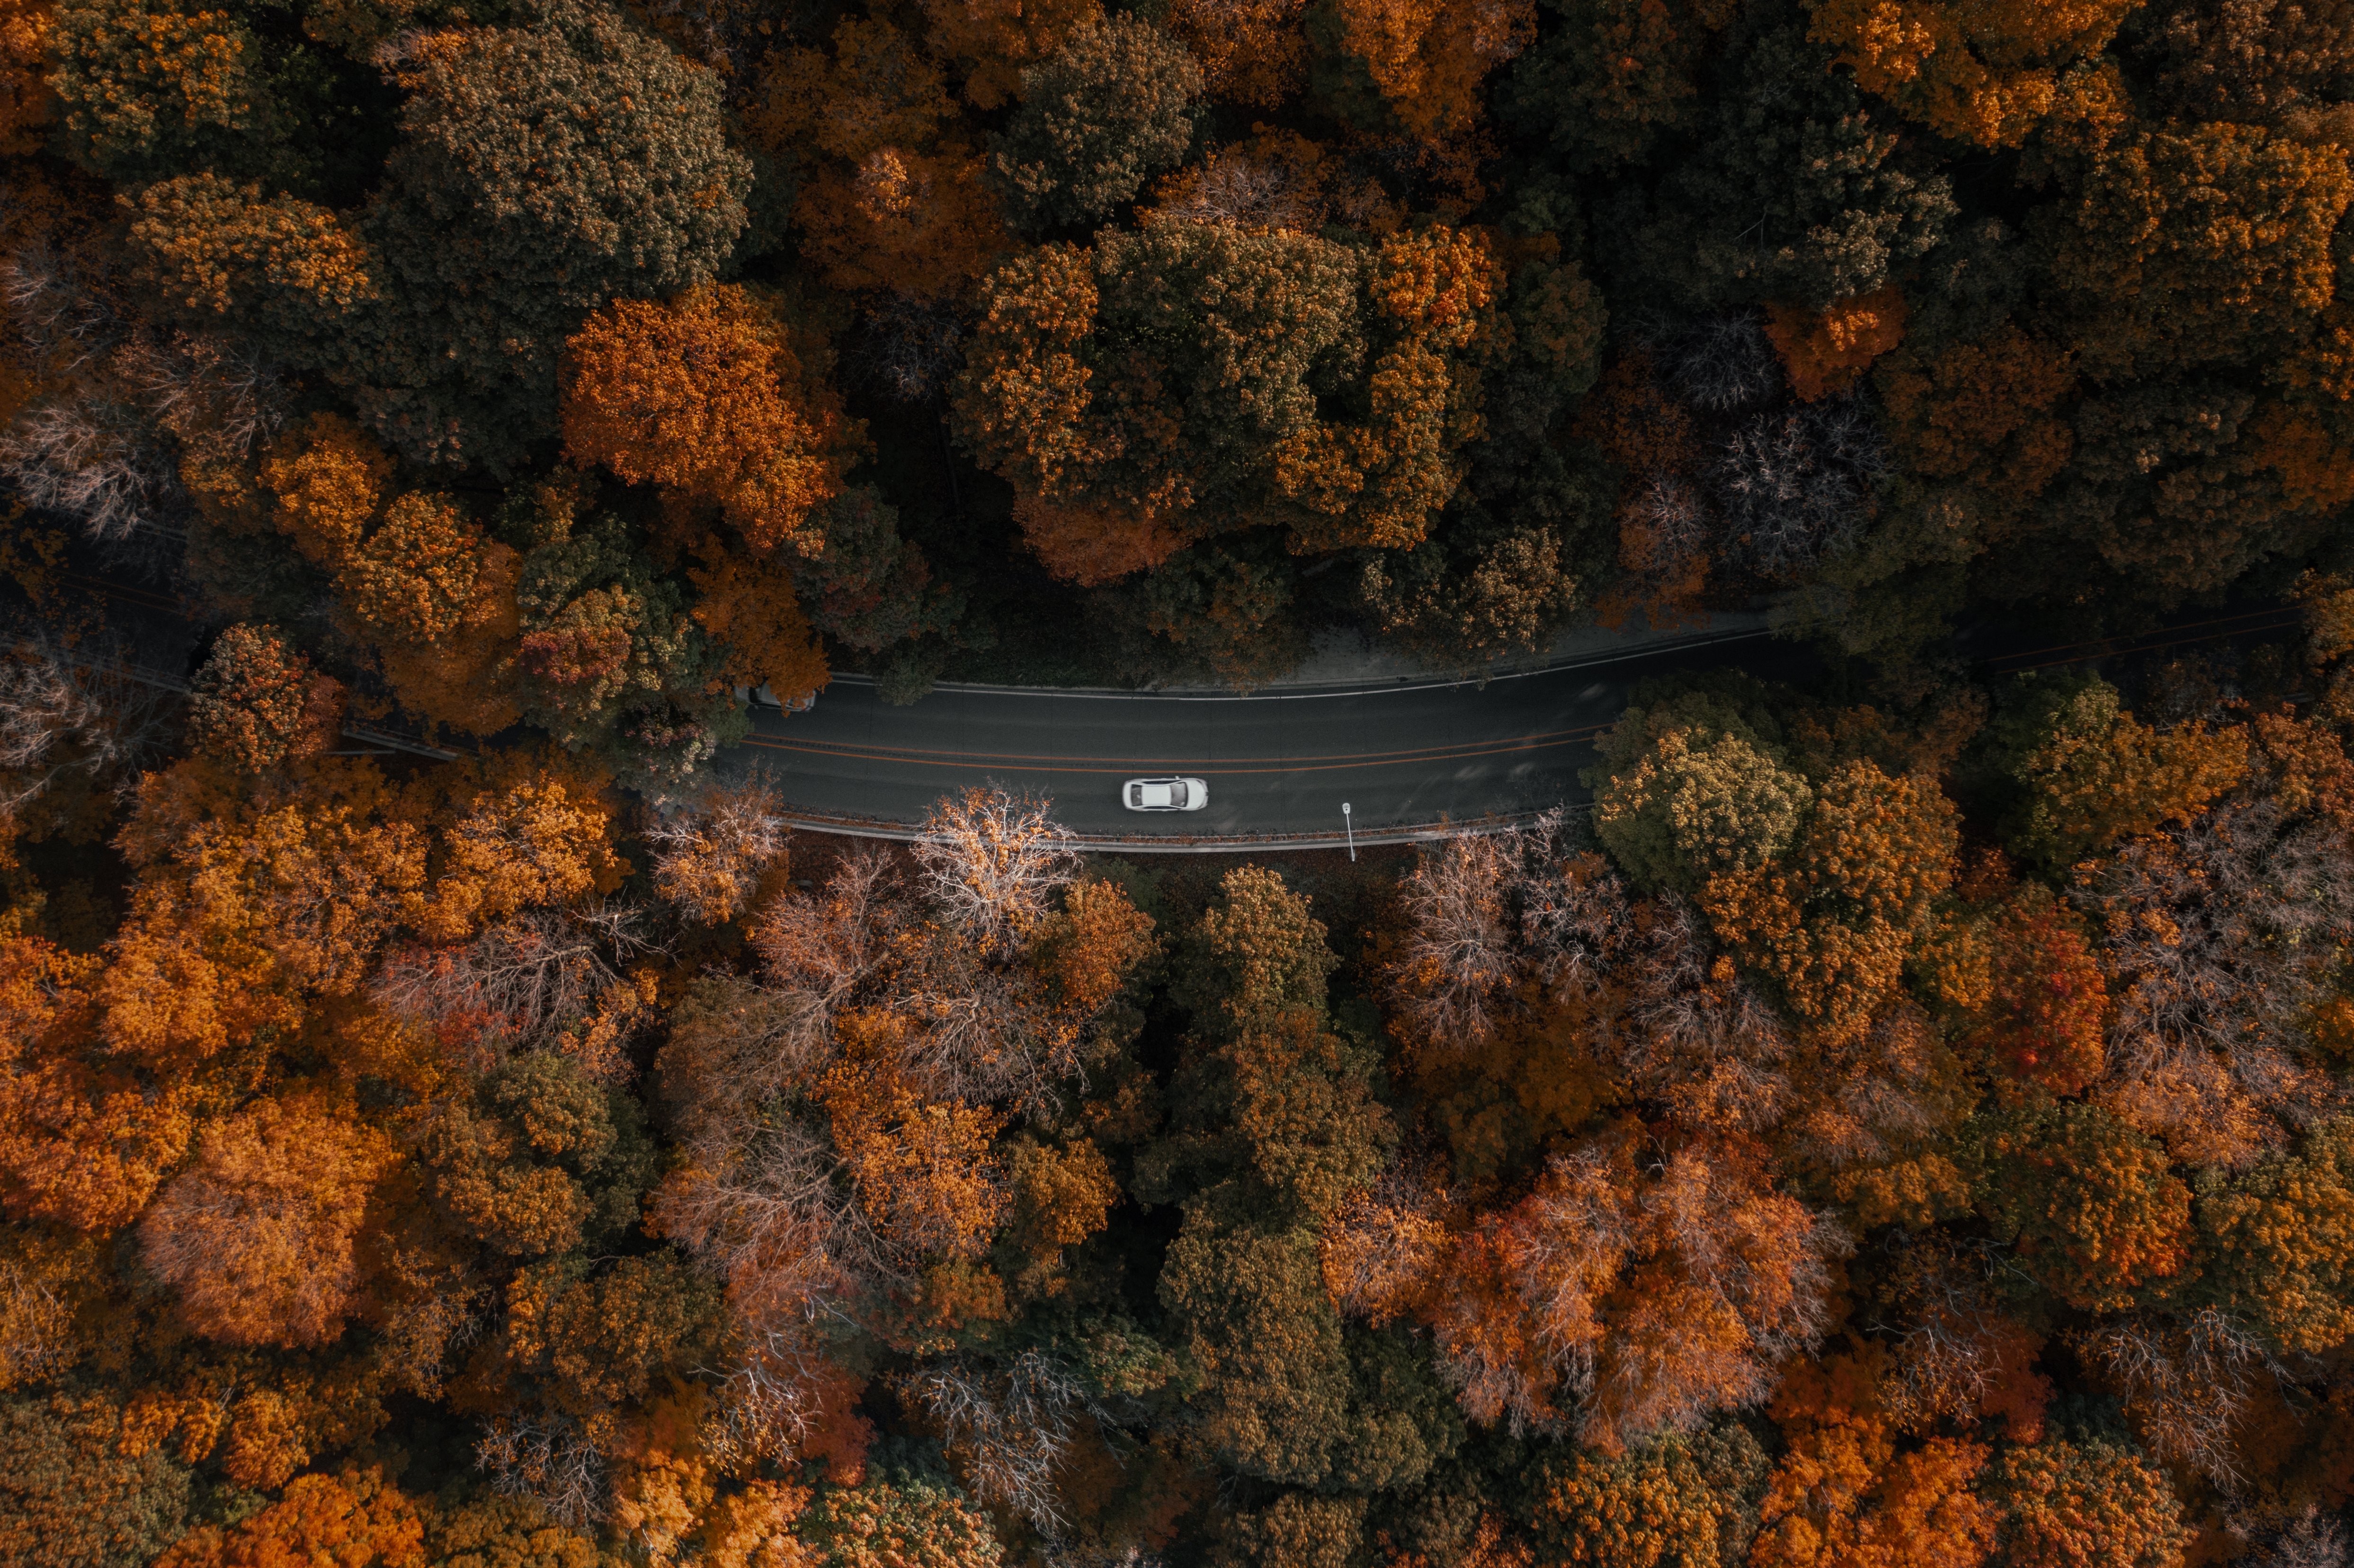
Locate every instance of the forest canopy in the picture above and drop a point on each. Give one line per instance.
(1901, 1118)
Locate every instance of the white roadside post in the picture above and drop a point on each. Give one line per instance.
(1351, 829)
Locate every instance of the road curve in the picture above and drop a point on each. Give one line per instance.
(1404, 755)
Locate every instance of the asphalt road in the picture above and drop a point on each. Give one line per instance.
(1402, 754)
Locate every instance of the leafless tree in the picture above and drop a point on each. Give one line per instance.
(1010, 1428)
(105, 449)
(1233, 187)
(72, 711)
(780, 1225)
(1952, 1346)
(36, 1326)
(2184, 1383)
(548, 1458)
(1675, 518)
(1796, 484)
(991, 861)
(1872, 1096)
(2219, 938)
(218, 397)
(1723, 364)
(422, 1337)
(2308, 1541)
(1670, 1014)
(1460, 944)
(94, 462)
(61, 315)
(522, 983)
(709, 854)
(907, 348)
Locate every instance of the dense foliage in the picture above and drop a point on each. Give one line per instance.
(1905, 1121)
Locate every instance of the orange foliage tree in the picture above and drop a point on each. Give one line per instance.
(1254, 53)
(896, 199)
(83, 1141)
(922, 1025)
(1623, 1297)
(26, 105)
(1983, 73)
(422, 578)
(2095, 775)
(1824, 352)
(257, 703)
(256, 1236)
(1429, 59)
(2047, 1012)
(1846, 1496)
(703, 395)
(357, 1519)
(993, 39)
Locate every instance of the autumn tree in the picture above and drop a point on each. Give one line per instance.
(1977, 424)
(507, 215)
(2089, 774)
(1108, 110)
(544, 1158)
(82, 1142)
(870, 587)
(1254, 54)
(359, 1517)
(912, 1031)
(897, 199)
(518, 836)
(2096, 1211)
(256, 1236)
(1679, 1499)
(612, 657)
(2175, 489)
(1425, 65)
(1686, 810)
(1475, 595)
(1847, 1492)
(1139, 448)
(495, 1531)
(258, 701)
(1274, 1129)
(915, 1523)
(1981, 74)
(2097, 1505)
(2215, 937)
(716, 855)
(703, 395)
(2149, 294)
(2045, 1015)
(74, 1494)
(2279, 1256)
(284, 272)
(26, 105)
(148, 91)
(2269, 64)
(249, 900)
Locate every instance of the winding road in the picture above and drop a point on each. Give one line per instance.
(1411, 755)
(1405, 754)
(1408, 755)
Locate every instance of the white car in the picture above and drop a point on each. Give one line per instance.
(1164, 794)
